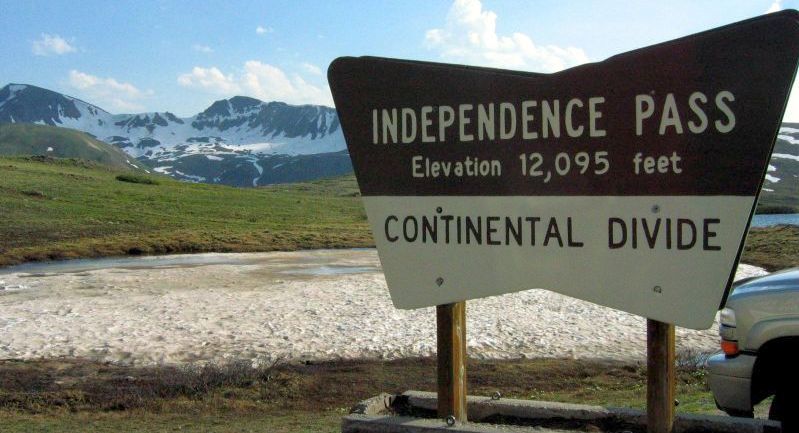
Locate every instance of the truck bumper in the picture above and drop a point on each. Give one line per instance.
(730, 380)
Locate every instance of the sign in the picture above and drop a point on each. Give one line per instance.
(629, 182)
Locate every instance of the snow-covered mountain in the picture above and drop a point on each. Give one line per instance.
(242, 141)
(781, 187)
(239, 141)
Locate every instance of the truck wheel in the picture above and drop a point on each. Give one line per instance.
(783, 408)
(741, 413)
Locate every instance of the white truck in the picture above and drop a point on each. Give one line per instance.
(759, 328)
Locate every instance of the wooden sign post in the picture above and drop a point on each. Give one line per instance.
(451, 346)
(659, 376)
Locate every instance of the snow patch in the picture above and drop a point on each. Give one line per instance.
(788, 138)
(149, 318)
(260, 172)
(214, 158)
(785, 156)
(49, 149)
(772, 168)
(768, 190)
(258, 167)
(294, 145)
(190, 176)
(13, 90)
(772, 179)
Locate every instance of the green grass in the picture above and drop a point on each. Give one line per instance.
(66, 208)
(77, 395)
(772, 248)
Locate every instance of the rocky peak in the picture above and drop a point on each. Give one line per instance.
(24, 103)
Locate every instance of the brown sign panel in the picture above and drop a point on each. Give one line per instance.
(628, 182)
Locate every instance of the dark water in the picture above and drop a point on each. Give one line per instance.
(331, 270)
(310, 263)
(775, 219)
(83, 265)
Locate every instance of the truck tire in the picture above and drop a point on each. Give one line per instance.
(784, 409)
(741, 413)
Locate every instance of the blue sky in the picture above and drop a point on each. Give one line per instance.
(180, 56)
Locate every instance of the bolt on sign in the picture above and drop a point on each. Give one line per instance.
(628, 182)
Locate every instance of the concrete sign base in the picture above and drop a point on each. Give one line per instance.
(390, 414)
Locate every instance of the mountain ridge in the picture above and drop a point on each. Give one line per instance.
(242, 141)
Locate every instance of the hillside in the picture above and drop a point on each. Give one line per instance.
(57, 209)
(239, 141)
(20, 139)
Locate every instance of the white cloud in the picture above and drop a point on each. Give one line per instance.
(312, 69)
(775, 7)
(268, 82)
(262, 30)
(51, 44)
(202, 48)
(469, 36)
(211, 79)
(259, 80)
(108, 93)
